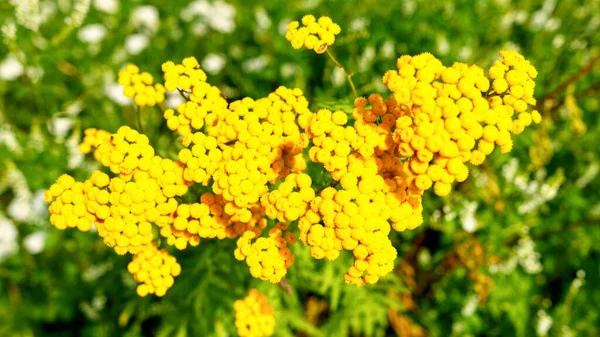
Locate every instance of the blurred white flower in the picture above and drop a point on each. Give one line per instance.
(39, 207)
(8, 138)
(358, 24)
(8, 238)
(213, 63)
(60, 126)
(509, 170)
(544, 323)
(388, 50)
(289, 69)
(75, 157)
(442, 45)
(134, 44)
(282, 27)
(467, 216)
(9, 31)
(366, 58)
(10, 68)
(465, 53)
(219, 15)
(199, 29)
(558, 41)
(255, 64)
(106, 6)
(470, 306)
(28, 13)
(528, 258)
(19, 209)
(337, 77)
(146, 17)
(552, 24)
(80, 11)
(173, 99)
(114, 91)
(263, 21)
(409, 6)
(222, 19)
(93, 33)
(35, 242)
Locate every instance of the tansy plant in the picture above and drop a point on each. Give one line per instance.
(251, 155)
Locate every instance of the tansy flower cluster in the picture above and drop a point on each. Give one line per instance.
(314, 34)
(452, 115)
(268, 258)
(251, 158)
(139, 86)
(154, 269)
(254, 316)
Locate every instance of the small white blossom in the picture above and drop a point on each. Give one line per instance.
(146, 17)
(28, 13)
(388, 49)
(114, 91)
(136, 43)
(19, 209)
(263, 21)
(470, 306)
(35, 242)
(544, 323)
(10, 68)
(106, 6)
(93, 33)
(80, 11)
(8, 238)
(173, 99)
(255, 64)
(467, 216)
(213, 63)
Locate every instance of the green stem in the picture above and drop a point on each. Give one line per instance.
(348, 77)
(139, 118)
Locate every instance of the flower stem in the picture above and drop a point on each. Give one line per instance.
(345, 73)
(139, 118)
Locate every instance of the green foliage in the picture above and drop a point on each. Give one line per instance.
(534, 214)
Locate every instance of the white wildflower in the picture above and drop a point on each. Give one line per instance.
(255, 64)
(11, 68)
(8, 238)
(146, 17)
(107, 6)
(544, 323)
(467, 216)
(93, 33)
(28, 13)
(80, 11)
(470, 306)
(35, 242)
(213, 63)
(263, 21)
(114, 91)
(136, 43)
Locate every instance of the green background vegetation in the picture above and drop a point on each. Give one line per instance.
(511, 252)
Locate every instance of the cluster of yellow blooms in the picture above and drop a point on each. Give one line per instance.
(254, 316)
(253, 153)
(452, 115)
(154, 269)
(314, 34)
(268, 258)
(139, 86)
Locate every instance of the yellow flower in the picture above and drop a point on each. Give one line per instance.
(314, 34)
(139, 86)
(254, 316)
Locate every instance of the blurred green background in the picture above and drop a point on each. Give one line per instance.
(511, 252)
